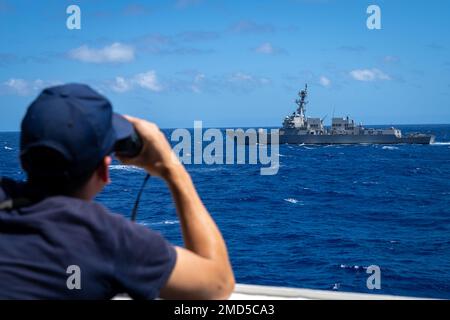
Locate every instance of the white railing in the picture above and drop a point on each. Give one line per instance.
(256, 292)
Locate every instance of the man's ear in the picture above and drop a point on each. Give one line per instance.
(103, 170)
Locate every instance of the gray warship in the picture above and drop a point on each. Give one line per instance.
(299, 129)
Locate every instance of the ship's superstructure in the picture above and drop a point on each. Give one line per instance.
(298, 128)
(300, 122)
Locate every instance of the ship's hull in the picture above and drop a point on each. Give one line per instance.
(352, 139)
(329, 139)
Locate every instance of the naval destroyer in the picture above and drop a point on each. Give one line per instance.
(299, 129)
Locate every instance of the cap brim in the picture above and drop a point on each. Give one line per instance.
(122, 127)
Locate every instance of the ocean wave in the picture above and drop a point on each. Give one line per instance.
(125, 168)
(352, 267)
(370, 182)
(437, 143)
(389, 148)
(210, 168)
(165, 222)
(336, 286)
(293, 201)
(7, 148)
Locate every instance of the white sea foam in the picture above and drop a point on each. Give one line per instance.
(165, 222)
(206, 169)
(125, 168)
(159, 223)
(355, 267)
(441, 143)
(7, 148)
(292, 200)
(370, 182)
(389, 148)
(334, 146)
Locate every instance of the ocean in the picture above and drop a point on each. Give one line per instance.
(329, 213)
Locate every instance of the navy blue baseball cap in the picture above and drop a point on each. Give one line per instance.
(75, 121)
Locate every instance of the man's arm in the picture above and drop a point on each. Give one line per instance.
(202, 270)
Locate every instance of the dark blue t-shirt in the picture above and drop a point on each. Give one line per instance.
(39, 243)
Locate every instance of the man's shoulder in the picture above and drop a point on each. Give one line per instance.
(62, 207)
(84, 209)
(72, 212)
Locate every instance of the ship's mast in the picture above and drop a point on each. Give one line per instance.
(302, 101)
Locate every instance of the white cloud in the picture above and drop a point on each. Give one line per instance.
(324, 81)
(198, 79)
(246, 26)
(265, 48)
(18, 86)
(121, 85)
(146, 80)
(240, 77)
(198, 82)
(369, 75)
(268, 48)
(24, 87)
(244, 81)
(114, 53)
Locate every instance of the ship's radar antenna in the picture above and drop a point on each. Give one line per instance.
(302, 101)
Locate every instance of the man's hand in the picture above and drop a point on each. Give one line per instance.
(156, 156)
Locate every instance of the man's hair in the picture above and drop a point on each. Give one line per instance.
(49, 172)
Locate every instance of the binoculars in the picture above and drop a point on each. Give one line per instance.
(129, 147)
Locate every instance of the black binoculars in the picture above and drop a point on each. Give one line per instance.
(129, 147)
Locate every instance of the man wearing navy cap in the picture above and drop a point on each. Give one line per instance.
(49, 224)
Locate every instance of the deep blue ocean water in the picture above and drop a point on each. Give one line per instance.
(330, 212)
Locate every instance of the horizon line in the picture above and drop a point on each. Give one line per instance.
(272, 127)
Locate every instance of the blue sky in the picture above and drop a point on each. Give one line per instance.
(232, 63)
